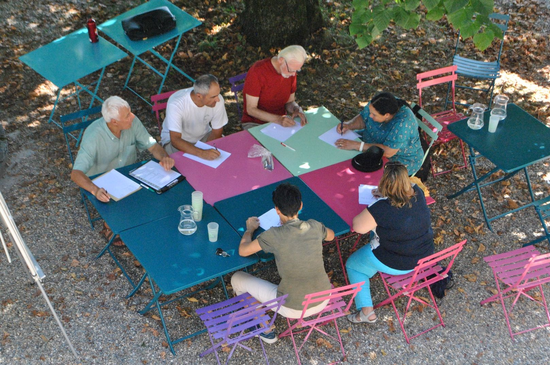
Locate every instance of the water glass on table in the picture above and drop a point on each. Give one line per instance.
(197, 202)
(213, 231)
(496, 116)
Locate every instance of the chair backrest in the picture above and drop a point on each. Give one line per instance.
(432, 131)
(428, 270)
(336, 306)
(445, 75)
(237, 85)
(80, 127)
(501, 21)
(159, 103)
(537, 272)
(230, 318)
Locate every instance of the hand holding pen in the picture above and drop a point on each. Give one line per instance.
(342, 127)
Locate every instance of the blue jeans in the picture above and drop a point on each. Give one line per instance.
(363, 265)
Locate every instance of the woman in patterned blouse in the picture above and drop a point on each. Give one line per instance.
(387, 122)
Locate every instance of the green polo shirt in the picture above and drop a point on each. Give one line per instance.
(101, 151)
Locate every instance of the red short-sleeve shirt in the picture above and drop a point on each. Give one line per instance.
(273, 89)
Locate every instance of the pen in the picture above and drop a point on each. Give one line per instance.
(216, 147)
(342, 127)
(287, 146)
(146, 187)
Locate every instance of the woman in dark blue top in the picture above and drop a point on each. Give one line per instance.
(401, 235)
(389, 123)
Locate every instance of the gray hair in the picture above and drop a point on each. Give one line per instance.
(202, 84)
(293, 53)
(111, 106)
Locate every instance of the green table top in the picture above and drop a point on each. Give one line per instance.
(311, 153)
(519, 141)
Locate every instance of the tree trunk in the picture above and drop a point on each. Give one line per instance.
(271, 23)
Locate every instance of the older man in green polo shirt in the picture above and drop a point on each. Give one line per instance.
(111, 142)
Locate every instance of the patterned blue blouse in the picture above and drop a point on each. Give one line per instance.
(401, 133)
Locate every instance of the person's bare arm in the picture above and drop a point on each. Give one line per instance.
(85, 183)
(253, 110)
(184, 146)
(330, 234)
(248, 247)
(364, 222)
(215, 134)
(160, 154)
(356, 122)
(295, 110)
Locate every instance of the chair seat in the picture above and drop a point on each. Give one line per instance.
(445, 118)
(477, 69)
(399, 282)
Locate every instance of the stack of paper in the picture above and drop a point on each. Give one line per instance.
(117, 185)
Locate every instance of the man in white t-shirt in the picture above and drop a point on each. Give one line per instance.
(194, 114)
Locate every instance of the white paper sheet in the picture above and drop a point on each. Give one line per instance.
(281, 133)
(154, 175)
(331, 136)
(117, 185)
(224, 155)
(269, 219)
(365, 194)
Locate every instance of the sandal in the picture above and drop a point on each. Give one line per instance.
(363, 318)
(108, 234)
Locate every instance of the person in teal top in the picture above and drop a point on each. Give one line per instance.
(387, 122)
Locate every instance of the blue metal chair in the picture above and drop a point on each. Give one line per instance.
(481, 70)
(237, 85)
(68, 130)
(542, 207)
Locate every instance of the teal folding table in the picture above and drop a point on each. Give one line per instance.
(311, 153)
(519, 142)
(174, 262)
(139, 208)
(70, 58)
(237, 209)
(184, 23)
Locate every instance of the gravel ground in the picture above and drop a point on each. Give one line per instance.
(89, 295)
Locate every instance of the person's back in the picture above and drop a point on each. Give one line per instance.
(298, 250)
(405, 232)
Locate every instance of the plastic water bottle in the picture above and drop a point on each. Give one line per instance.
(92, 31)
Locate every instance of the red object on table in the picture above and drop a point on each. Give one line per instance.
(92, 31)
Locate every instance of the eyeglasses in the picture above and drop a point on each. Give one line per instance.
(288, 68)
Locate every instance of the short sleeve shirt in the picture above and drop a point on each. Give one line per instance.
(298, 250)
(101, 151)
(405, 234)
(272, 89)
(193, 122)
(400, 133)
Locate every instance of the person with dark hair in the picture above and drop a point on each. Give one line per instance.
(298, 249)
(389, 123)
(194, 114)
(401, 234)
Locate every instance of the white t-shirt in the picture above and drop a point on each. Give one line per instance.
(185, 117)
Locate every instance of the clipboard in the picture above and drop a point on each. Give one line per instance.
(153, 177)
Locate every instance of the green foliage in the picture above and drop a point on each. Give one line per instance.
(470, 17)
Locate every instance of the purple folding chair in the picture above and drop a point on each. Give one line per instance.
(237, 85)
(516, 273)
(236, 320)
(335, 308)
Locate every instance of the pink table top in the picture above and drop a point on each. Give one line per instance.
(238, 174)
(338, 186)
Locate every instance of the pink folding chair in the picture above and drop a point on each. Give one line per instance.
(445, 75)
(237, 85)
(236, 320)
(335, 308)
(159, 104)
(516, 273)
(427, 271)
